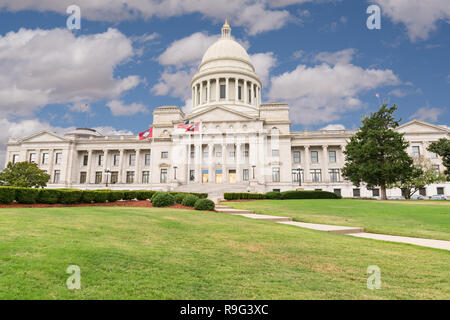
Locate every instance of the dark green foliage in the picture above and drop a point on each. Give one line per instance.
(116, 195)
(27, 195)
(7, 195)
(442, 148)
(88, 196)
(23, 174)
(48, 196)
(243, 195)
(204, 204)
(130, 195)
(179, 197)
(273, 195)
(68, 196)
(309, 195)
(376, 154)
(163, 199)
(102, 196)
(144, 195)
(189, 200)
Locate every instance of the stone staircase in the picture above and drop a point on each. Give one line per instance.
(215, 191)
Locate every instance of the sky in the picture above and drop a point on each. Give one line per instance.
(131, 56)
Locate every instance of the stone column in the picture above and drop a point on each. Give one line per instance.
(137, 174)
(201, 93)
(121, 166)
(236, 90)
(237, 156)
(194, 98)
(188, 147)
(105, 164)
(253, 95)
(326, 158)
(306, 173)
(89, 167)
(211, 175)
(224, 166)
(245, 92)
(217, 89)
(227, 88)
(208, 93)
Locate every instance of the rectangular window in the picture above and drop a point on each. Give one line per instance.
(58, 159)
(116, 160)
(85, 160)
(239, 93)
(245, 175)
(314, 157)
(98, 177)
(219, 154)
(191, 175)
(32, 157)
(232, 154)
(114, 177)
(249, 96)
(375, 192)
(132, 161)
(45, 158)
(163, 178)
(338, 192)
(245, 154)
(164, 155)
(145, 176)
(275, 153)
(222, 91)
(83, 177)
(316, 175)
(130, 176)
(440, 191)
(435, 168)
(205, 154)
(334, 175)
(423, 192)
(332, 156)
(15, 158)
(147, 159)
(192, 154)
(356, 193)
(56, 176)
(296, 156)
(433, 155)
(276, 174)
(416, 151)
(101, 158)
(297, 175)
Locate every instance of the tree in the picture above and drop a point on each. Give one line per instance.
(442, 148)
(423, 174)
(23, 174)
(376, 154)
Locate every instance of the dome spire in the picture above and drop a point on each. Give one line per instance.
(226, 30)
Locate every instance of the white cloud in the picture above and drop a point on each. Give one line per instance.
(255, 15)
(400, 93)
(419, 17)
(118, 108)
(41, 67)
(339, 57)
(263, 63)
(427, 114)
(145, 37)
(334, 127)
(324, 92)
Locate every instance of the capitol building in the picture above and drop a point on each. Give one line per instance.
(230, 142)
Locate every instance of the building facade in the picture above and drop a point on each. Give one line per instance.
(230, 141)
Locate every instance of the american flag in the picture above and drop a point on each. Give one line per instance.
(85, 107)
(184, 125)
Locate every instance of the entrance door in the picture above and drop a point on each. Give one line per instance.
(205, 176)
(218, 176)
(232, 176)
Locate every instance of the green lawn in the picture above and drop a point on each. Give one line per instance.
(415, 219)
(149, 253)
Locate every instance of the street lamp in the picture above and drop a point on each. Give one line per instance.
(299, 169)
(253, 172)
(175, 172)
(108, 173)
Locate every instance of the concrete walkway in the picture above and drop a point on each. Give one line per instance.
(351, 231)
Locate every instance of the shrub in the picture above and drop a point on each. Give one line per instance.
(129, 195)
(69, 196)
(102, 196)
(204, 204)
(116, 195)
(7, 194)
(189, 200)
(240, 196)
(162, 199)
(144, 195)
(87, 196)
(274, 195)
(200, 195)
(309, 195)
(27, 195)
(179, 197)
(48, 196)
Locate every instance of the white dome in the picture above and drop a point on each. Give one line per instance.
(226, 49)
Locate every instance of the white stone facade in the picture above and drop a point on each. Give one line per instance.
(241, 145)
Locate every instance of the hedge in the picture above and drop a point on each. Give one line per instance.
(204, 204)
(144, 195)
(48, 196)
(273, 195)
(163, 199)
(7, 195)
(189, 200)
(309, 195)
(69, 196)
(88, 196)
(240, 196)
(179, 197)
(27, 195)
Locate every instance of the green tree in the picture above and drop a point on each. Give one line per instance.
(23, 174)
(442, 148)
(422, 175)
(376, 154)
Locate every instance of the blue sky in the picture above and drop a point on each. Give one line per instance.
(318, 56)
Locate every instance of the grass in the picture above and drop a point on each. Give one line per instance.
(150, 253)
(426, 220)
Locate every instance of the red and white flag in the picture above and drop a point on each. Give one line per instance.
(146, 134)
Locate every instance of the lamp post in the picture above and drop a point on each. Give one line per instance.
(175, 172)
(299, 169)
(108, 173)
(253, 171)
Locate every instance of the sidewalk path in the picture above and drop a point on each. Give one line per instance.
(351, 231)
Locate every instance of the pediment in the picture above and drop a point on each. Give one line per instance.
(44, 136)
(417, 126)
(219, 113)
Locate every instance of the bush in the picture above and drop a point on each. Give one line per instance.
(129, 195)
(189, 200)
(240, 196)
(274, 195)
(309, 195)
(102, 196)
(27, 195)
(144, 195)
(200, 195)
(88, 196)
(204, 204)
(48, 196)
(69, 196)
(179, 197)
(7, 195)
(162, 199)
(116, 195)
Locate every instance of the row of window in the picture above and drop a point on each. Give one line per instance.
(45, 158)
(416, 153)
(145, 178)
(314, 156)
(116, 159)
